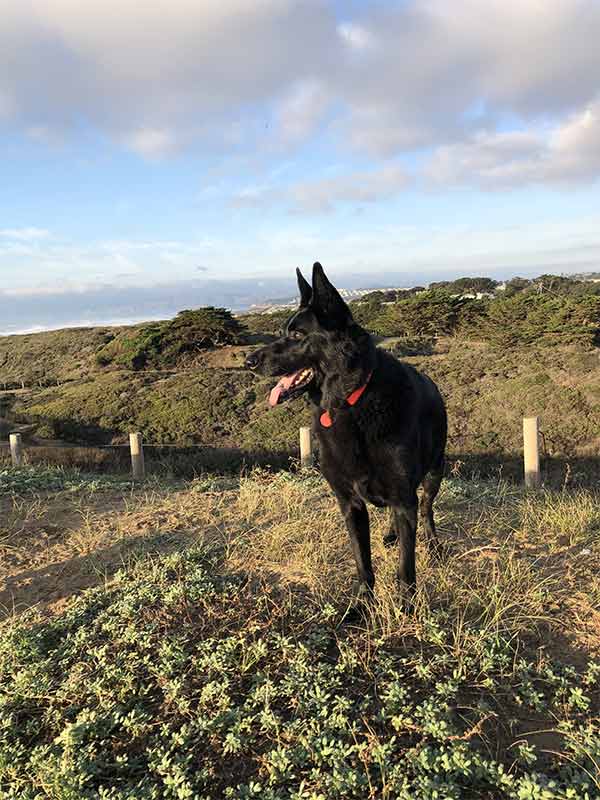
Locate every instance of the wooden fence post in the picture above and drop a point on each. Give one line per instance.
(137, 456)
(306, 454)
(16, 450)
(531, 451)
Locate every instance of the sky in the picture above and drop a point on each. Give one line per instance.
(191, 152)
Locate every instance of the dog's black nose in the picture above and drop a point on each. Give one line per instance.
(252, 361)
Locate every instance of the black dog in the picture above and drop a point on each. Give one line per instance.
(381, 425)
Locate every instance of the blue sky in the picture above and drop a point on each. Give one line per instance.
(186, 142)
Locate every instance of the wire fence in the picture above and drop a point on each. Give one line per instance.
(532, 437)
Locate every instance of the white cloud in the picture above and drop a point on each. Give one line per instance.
(436, 60)
(6, 106)
(150, 142)
(63, 281)
(169, 69)
(301, 110)
(257, 196)
(68, 268)
(566, 153)
(61, 265)
(46, 135)
(577, 141)
(244, 77)
(24, 234)
(324, 194)
(367, 186)
(356, 36)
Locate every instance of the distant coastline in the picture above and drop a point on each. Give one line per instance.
(113, 307)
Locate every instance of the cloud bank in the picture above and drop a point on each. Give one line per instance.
(386, 255)
(494, 92)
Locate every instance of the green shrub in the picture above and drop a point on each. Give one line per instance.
(466, 285)
(522, 315)
(366, 311)
(166, 344)
(528, 318)
(201, 328)
(430, 314)
(133, 350)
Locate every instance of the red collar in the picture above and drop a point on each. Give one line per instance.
(352, 400)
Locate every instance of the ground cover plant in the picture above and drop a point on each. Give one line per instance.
(180, 640)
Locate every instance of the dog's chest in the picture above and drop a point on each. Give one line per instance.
(353, 465)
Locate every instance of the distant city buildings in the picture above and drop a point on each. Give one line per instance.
(347, 294)
(272, 306)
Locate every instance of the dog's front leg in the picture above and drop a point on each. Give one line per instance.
(356, 517)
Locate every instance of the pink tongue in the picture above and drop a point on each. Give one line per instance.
(282, 386)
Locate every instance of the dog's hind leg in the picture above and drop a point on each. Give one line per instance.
(406, 525)
(431, 486)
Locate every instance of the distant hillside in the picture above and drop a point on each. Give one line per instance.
(530, 348)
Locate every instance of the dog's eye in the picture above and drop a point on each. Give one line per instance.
(296, 335)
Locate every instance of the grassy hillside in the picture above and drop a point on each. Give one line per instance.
(54, 357)
(181, 382)
(182, 641)
(51, 357)
(487, 391)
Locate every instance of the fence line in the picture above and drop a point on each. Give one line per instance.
(531, 450)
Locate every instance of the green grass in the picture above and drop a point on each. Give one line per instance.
(51, 357)
(181, 681)
(208, 661)
(35, 479)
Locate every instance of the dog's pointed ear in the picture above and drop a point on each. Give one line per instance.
(305, 290)
(327, 301)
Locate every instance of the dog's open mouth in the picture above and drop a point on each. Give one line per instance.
(290, 385)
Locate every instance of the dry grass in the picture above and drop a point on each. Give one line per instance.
(519, 564)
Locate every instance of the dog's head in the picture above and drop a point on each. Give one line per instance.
(321, 349)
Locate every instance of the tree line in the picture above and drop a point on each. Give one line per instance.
(549, 309)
